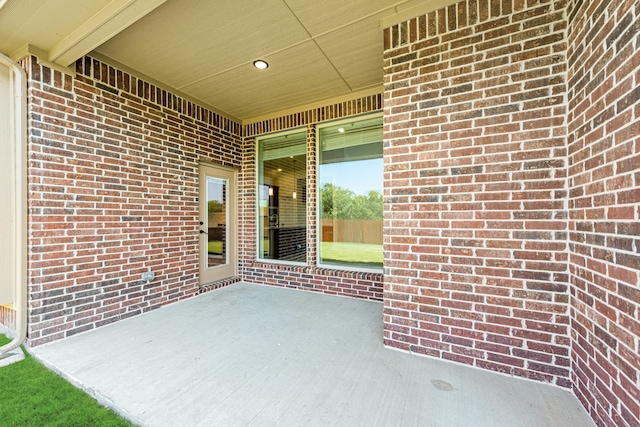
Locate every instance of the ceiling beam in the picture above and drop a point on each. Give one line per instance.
(42, 55)
(109, 21)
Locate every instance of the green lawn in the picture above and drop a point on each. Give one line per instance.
(32, 395)
(352, 253)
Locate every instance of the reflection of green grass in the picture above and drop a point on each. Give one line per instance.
(351, 253)
(215, 247)
(32, 395)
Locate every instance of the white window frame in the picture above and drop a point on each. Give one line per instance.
(376, 270)
(259, 257)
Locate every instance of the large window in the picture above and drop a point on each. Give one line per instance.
(282, 194)
(350, 173)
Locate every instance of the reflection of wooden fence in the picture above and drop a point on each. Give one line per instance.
(352, 230)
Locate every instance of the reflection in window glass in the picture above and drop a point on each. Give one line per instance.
(350, 194)
(216, 221)
(282, 191)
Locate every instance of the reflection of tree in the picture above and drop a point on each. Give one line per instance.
(214, 206)
(341, 203)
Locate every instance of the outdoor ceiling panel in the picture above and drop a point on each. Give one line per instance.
(356, 52)
(205, 49)
(182, 42)
(42, 23)
(319, 17)
(298, 76)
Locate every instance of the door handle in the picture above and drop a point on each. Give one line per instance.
(204, 232)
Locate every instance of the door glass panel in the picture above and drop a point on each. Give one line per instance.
(217, 242)
(216, 221)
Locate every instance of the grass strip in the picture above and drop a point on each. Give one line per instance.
(32, 395)
(352, 253)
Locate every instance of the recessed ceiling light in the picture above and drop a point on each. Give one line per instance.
(260, 64)
(341, 130)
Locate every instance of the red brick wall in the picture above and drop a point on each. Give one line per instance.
(113, 187)
(309, 276)
(512, 133)
(113, 193)
(604, 207)
(475, 214)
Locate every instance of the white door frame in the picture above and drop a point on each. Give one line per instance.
(229, 268)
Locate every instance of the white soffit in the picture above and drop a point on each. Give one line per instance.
(110, 20)
(320, 17)
(65, 29)
(246, 91)
(359, 62)
(42, 23)
(185, 42)
(317, 50)
(206, 50)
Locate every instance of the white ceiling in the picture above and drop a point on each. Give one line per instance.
(317, 50)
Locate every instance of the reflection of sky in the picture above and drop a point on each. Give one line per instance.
(359, 176)
(214, 189)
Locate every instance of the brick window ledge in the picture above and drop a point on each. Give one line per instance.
(354, 284)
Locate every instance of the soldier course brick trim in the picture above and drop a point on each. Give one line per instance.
(335, 111)
(113, 80)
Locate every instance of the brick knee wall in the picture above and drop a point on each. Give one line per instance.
(475, 214)
(113, 188)
(604, 207)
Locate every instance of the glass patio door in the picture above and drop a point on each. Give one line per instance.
(218, 258)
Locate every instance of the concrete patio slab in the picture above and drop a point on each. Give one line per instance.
(250, 355)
